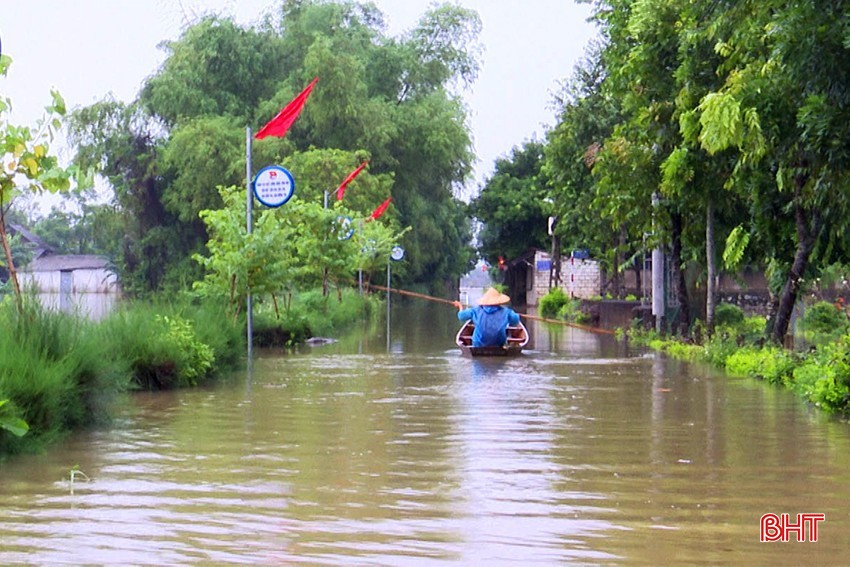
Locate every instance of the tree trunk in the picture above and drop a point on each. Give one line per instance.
(772, 308)
(637, 266)
(806, 235)
(10, 264)
(620, 284)
(711, 268)
(684, 319)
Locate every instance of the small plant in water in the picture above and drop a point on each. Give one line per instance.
(74, 474)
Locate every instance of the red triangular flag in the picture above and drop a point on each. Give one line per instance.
(278, 125)
(380, 210)
(340, 191)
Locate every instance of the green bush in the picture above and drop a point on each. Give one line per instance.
(753, 328)
(728, 314)
(719, 348)
(824, 377)
(825, 318)
(215, 329)
(552, 303)
(194, 358)
(571, 311)
(684, 351)
(310, 314)
(772, 364)
(161, 347)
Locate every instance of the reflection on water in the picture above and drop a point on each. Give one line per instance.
(579, 452)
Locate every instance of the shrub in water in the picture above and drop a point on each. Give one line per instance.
(771, 364)
(824, 378)
(162, 350)
(552, 302)
(719, 348)
(213, 328)
(571, 311)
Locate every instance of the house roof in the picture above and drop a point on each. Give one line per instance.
(41, 247)
(67, 262)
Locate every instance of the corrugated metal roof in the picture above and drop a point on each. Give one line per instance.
(67, 262)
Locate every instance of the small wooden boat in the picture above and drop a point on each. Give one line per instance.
(517, 339)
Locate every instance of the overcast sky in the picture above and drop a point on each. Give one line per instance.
(88, 48)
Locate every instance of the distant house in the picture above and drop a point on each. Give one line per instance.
(70, 273)
(474, 284)
(69, 282)
(36, 246)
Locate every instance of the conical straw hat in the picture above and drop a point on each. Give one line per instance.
(493, 297)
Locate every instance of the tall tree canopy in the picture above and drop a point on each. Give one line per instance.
(393, 101)
(733, 114)
(513, 206)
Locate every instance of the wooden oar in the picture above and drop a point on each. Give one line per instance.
(524, 315)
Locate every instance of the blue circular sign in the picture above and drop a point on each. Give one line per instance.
(397, 253)
(273, 186)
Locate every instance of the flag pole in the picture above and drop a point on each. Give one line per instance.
(249, 308)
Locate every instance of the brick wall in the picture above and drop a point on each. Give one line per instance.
(579, 278)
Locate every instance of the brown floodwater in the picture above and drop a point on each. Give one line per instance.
(371, 451)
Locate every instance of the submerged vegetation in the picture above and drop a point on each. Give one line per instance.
(819, 374)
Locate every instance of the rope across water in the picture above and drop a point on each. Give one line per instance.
(524, 315)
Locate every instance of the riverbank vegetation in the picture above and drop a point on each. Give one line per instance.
(60, 372)
(819, 372)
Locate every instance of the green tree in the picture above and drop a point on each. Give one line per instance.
(512, 205)
(390, 99)
(783, 106)
(297, 246)
(27, 163)
(120, 142)
(93, 229)
(586, 117)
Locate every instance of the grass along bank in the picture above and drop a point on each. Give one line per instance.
(59, 372)
(820, 373)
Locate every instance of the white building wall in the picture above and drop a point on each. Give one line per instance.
(83, 281)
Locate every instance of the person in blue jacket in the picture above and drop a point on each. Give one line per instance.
(491, 318)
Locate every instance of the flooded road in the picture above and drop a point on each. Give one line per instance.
(581, 451)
